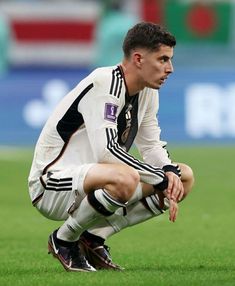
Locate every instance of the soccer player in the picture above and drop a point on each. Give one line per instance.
(82, 172)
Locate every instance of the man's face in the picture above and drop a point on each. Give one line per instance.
(156, 66)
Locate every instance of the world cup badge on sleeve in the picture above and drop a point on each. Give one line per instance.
(110, 112)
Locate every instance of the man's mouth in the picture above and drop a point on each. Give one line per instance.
(163, 79)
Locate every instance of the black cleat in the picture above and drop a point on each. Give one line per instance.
(98, 255)
(69, 256)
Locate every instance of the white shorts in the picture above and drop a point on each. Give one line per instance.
(63, 192)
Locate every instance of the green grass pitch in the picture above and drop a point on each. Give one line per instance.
(198, 249)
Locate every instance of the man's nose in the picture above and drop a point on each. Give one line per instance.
(169, 67)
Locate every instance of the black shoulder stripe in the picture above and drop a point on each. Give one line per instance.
(112, 83)
(118, 88)
(116, 83)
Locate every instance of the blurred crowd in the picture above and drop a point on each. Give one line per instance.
(114, 19)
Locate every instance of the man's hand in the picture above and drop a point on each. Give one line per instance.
(175, 189)
(174, 193)
(173, 210)
(173, 207)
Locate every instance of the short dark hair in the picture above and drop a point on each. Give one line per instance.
(147, 35)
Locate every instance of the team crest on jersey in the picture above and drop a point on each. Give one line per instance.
(110, 112)
(128, 118)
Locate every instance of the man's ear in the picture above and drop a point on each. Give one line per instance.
(137, 59)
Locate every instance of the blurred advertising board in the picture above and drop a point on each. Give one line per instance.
(196, 106)
(44, 34)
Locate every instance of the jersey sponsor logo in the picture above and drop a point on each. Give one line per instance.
(110, 112)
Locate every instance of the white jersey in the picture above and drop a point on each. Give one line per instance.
(98, 122)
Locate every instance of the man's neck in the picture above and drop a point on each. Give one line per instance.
(133, 84)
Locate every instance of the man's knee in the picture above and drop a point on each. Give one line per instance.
(125, 183)
(188, 175)
(187, 178)
(119, 180)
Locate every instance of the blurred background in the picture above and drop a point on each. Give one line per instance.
(48, 46)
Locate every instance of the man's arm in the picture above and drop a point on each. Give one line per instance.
(154, 151)
(100, 109)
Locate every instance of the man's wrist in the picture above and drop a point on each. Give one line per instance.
(163, 185)
(172, 168)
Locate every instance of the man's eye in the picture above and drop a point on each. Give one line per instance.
(164, 60)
